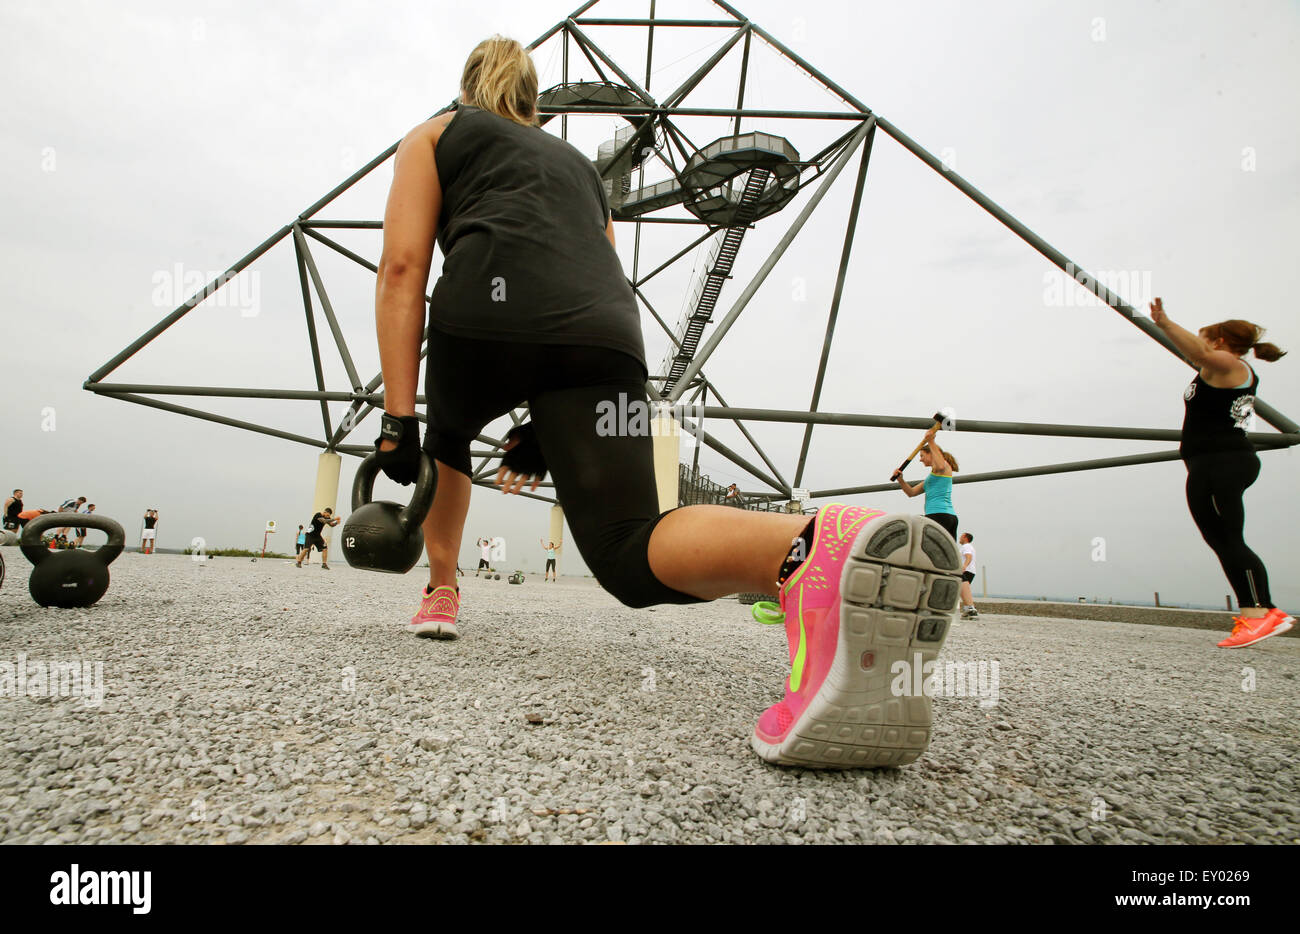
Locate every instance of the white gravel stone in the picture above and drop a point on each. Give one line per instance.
(249, 702)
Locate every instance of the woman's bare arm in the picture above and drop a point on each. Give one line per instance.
(410, 226)
(909, 489)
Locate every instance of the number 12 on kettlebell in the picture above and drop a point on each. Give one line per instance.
(385, 536)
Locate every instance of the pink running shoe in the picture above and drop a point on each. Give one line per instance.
(437, 616)
(876, 589)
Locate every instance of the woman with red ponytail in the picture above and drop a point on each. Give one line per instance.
(1221, 461)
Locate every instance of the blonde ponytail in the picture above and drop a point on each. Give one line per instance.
(499, 77)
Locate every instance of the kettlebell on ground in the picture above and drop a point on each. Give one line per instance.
(385, 536)
(70, 579)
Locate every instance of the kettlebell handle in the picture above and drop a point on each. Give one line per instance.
(412, 515)
(30, 543)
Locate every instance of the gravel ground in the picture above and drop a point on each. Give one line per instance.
(255, 703)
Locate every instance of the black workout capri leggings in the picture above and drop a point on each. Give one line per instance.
(945, 519)
(1215, 486)
(605, 482)
(550, 565)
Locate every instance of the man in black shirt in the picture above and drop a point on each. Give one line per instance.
(149, 535)
(13, 506)
(316, 540)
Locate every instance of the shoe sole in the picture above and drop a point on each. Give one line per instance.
(434, 630)
(899, 591)
(1277, 631)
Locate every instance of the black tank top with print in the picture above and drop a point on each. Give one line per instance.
(522, 232)
(1217, 419)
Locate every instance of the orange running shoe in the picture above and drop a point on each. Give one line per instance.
(1284, 621)
(1249, 631)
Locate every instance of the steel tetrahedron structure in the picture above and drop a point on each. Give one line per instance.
(716, 189)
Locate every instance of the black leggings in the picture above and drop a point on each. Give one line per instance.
(604, 481)
(945, 519)
(1215, 485)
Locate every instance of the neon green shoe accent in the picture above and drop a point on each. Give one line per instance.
(800, 654)
(769, 613)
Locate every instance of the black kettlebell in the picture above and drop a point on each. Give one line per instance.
(70, 578)
(385, 536)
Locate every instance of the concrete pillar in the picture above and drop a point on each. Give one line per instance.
(556, 535)
(667, 437)
(327, 487)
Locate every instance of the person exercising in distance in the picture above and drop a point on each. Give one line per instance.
(13, 506)
(316, 539)
(967, 549)
(937, 485)
(149, 535)
(550, 560)
(71, 505)
(81, 531)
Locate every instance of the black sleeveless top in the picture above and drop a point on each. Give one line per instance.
(14, 508)
(522, 232)
(1216, 419)
(150, 521)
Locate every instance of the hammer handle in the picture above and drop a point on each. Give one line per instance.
(938, 420)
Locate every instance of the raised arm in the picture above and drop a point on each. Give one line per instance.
(1209, 361)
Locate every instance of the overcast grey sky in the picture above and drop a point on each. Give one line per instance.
(1150, 139)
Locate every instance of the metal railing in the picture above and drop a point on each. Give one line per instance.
(696, 489)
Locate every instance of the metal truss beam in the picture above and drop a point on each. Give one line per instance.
(1103, 463)
(835, 300)
(1043, 429)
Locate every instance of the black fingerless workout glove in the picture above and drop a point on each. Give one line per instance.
(402, 463)
(526, 456)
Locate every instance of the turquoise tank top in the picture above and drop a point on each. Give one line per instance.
(938, 494)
